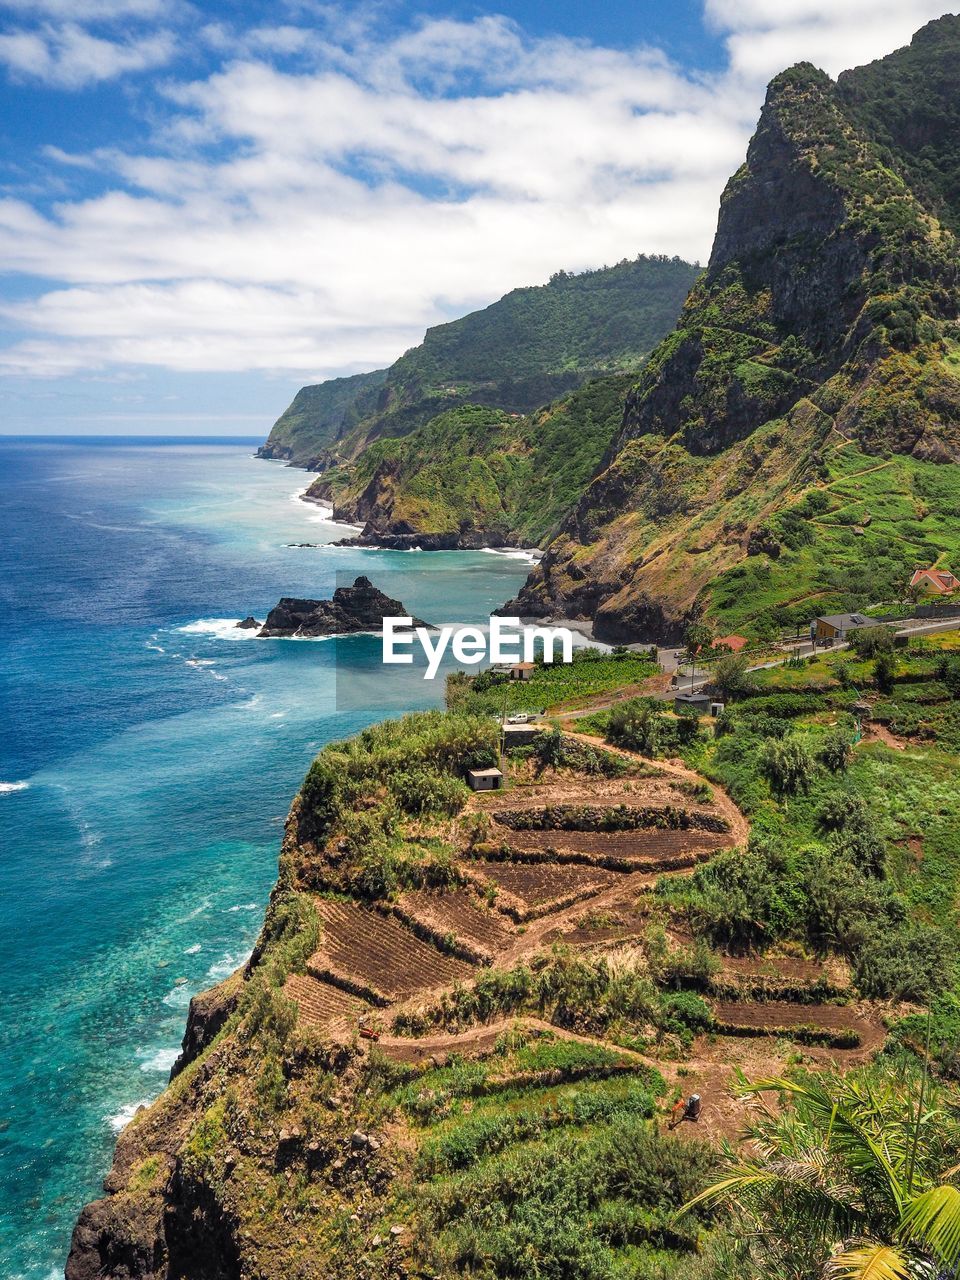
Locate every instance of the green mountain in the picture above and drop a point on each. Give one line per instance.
(791, 447)
(476, 476)
(319, 415)
(533, 345)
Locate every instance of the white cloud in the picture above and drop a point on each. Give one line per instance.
(390, 183)
(69, 57)
(768, 35)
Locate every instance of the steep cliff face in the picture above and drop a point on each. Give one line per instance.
(320, 415)
(826, 321)
(154, 1211)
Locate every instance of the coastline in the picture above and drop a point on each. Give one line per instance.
(325, 512)
(216, 740)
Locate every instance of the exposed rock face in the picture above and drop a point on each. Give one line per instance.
(274, 451)
(317, 417)
(249, 624)
(361, 607)
(208, 1012)
(405, 540)
(826, 316)
(165, 1225)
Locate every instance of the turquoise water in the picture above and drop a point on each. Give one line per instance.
(148, 756)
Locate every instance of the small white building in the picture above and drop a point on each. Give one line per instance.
(522, 670)
(484, 779)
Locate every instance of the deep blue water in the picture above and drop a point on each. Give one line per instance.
(148, 755)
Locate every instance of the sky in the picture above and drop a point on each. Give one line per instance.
(204, 206)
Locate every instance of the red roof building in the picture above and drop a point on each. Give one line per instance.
(939, 581)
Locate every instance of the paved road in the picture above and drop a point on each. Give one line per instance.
(686, 684)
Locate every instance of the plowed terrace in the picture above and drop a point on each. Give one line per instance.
(560, 858)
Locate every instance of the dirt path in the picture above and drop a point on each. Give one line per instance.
(482, 1038)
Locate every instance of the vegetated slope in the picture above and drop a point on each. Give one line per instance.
(826, 321)
(518, 354)
(287, 1146)
(476, 476)
(320, 414)
(527, 956)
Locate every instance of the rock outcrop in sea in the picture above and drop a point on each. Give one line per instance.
(361, 607)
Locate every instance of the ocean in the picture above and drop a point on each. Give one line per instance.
(148, 755)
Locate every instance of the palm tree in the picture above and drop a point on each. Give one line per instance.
(848, 1180)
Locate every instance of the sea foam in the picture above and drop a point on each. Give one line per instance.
(222, 628)
(126, 1114)
(532, 556)
(160, 1060)
(8, 788)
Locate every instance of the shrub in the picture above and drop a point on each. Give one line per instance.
(841, 809)
(419, 791)
(636, 725)
(737, 901)
(731, 676)
(885, 672)
(948, 673)
(685, 1009)
(911, 963)
(318, 798)
(870, 641)
(786, 705)
(844, 673)
(843, 906)
(836, 752)
(788, 765)
(556, 1208)
(680, 967)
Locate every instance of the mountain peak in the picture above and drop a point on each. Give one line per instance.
(826, 321)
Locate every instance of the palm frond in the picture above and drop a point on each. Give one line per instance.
(746, 1178)
(868, 1262)
(853, 1121)
(933, 1220)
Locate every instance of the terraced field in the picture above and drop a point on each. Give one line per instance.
(651, 792)
(459, 917)
(837, 1025)
(374, 956)
(522, 890)
(659, 850)
(320, 1003)
(526, 890)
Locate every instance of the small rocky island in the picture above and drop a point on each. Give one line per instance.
(361, 607)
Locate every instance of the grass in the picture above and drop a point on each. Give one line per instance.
(592, 672)
(498, 1122)
(591, 1203)
(879, 520)
(864, 861)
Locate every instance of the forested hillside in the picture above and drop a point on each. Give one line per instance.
(476, 476)
(518, 354)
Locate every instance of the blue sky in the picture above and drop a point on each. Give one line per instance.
(204, 206)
